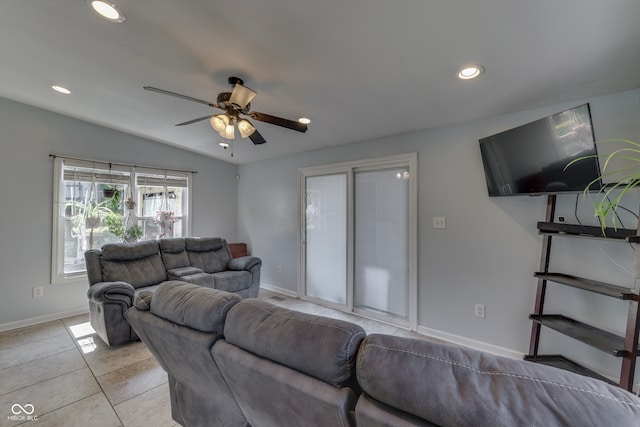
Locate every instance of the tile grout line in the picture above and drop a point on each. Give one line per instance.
(93, 375)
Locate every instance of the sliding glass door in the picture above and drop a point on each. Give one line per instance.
(326, 237)
(381, 225)
(358, 247)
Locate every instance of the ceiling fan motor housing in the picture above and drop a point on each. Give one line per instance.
(235, 80)
(224, 100)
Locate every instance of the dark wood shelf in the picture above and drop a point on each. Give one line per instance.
(590, 285)
(561, 362)
(602, 340)
(590, 231)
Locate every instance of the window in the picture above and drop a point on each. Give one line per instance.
(97, 203)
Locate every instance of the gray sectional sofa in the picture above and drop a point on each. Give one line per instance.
(119, 271)
(234, 362)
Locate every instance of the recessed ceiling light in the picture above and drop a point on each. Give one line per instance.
(470, 72)
(61, 89)
(107, 10)
(304, 120)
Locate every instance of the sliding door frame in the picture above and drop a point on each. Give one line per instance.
(409, 160)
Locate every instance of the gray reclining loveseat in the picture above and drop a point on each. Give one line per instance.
(254, 363)
(119, 271)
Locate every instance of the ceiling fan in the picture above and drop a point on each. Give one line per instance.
(235, 104)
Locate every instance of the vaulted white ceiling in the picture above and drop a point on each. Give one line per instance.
(360, 69)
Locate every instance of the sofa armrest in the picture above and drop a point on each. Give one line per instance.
(244, 263)
(115, 291)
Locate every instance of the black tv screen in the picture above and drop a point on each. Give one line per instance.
(531, 158)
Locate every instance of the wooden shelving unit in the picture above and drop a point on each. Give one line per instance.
(625, 347)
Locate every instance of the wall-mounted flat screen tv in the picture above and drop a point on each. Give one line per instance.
(531, 158)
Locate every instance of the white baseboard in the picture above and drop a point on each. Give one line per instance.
(444, 336)
(468, 342)
(288, 292)
(42, 319)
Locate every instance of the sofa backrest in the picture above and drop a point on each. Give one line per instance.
(173, 252)
(210, 254)
(138, 264)
(179, 323)
(409, 382)
(289, 368)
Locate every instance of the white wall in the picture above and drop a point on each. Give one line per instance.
(491, 247)
(27, 136)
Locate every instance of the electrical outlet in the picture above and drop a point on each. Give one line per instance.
(480, 311)
(278, 269)
(38, 292)
(439, 222)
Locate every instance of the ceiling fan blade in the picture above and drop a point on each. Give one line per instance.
(241, 96)
(256, 138)
(199, 119)
(278, 121)
(188, 98)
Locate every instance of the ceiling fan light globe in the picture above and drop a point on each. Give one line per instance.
(229, 132)
(220, 122)
(246, 128)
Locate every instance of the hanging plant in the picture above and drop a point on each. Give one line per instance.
(108, 192)
(165, 219)
(133, 233)
(130, 203)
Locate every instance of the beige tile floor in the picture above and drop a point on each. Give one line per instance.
(71, 378)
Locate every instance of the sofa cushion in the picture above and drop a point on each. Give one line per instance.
(450, 385)
(232, 281)
(210, 254)
(138, 272)
(129, 251)
(182, 271)
(174, 254)
(204, 244)
(321, 347)
(193, 306)
(200, 279)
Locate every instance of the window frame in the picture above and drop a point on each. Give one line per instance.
(58, 275)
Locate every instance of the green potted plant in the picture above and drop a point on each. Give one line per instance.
(133, 233)
(90, 215)
(115, 224)
(606, 200)
(117, 227)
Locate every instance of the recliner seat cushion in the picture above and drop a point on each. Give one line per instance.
(201, 279)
